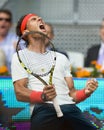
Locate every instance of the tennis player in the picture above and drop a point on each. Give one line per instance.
(29, 89)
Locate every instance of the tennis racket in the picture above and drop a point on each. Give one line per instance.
(42, 68)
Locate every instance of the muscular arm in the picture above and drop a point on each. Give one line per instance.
(23, 93)
(91, 86)
(21, 90)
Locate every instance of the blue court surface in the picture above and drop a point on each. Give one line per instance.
(93, 107)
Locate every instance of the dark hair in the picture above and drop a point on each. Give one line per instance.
(18, 27)
(8, 12)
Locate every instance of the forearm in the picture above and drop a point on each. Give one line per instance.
(78, 95)
(73, 94)
(24, 94)
(72, 89)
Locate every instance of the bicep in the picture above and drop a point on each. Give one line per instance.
(20, 84)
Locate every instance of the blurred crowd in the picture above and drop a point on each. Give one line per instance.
(9, 39)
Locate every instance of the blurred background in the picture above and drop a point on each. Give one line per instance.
(76, 25)
(76, 22)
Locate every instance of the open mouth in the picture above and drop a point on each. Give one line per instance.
(42, 27)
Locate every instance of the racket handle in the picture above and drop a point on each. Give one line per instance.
(57, 108)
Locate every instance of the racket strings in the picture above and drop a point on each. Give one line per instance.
(43, 65)
(42, 68)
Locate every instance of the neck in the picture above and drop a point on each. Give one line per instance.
(37, 46)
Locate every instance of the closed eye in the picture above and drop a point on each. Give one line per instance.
(33, 19)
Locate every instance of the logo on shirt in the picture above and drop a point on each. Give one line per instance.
(43, 70)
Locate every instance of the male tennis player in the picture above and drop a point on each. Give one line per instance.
(29, 89)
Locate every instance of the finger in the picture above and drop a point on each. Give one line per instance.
(93, 83)
(92, 88)
(48, 87)
(49, 90)
(50, 96)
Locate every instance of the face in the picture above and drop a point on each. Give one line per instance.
(5, 23)
(102, 31)
(35, 23)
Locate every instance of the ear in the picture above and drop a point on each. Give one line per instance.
(24, 32)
